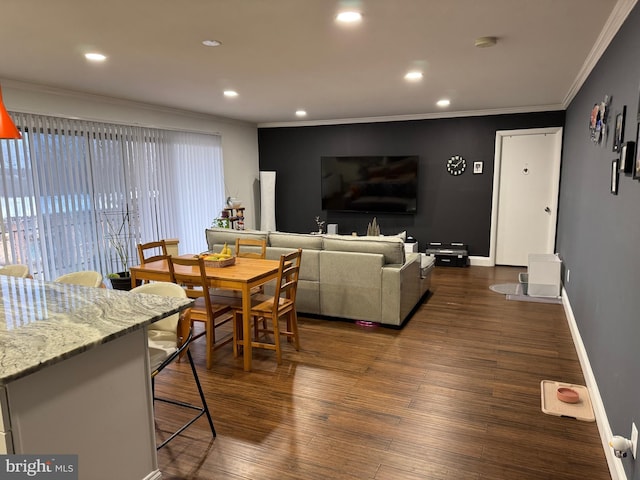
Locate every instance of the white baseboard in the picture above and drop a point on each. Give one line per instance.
(615, 464)
(481, 261)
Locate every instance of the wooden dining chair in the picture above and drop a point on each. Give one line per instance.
(248, 248)
(251, 247)
(152, 252)
(273, 309)
(212, 314)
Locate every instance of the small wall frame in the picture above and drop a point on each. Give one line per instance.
(619, 131)
(636, 163)
(627, 158)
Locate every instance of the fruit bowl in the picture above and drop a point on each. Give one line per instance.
(211, 261)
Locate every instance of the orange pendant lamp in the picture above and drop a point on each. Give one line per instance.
(7, 127)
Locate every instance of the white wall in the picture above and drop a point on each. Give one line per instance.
(239, 139)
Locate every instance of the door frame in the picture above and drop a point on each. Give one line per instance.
(497, 162)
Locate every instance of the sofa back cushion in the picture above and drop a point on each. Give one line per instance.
(295, 240)
(392, 248)
(309, 263)
(220, 236)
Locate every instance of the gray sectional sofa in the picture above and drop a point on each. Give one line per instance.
(357, 278)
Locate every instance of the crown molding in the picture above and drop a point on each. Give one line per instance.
(418, 116)
(90, 97)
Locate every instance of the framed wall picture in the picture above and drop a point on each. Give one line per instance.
(636, 166)
(627, 157)
(619, 132)
(477, 167)
(615, 170)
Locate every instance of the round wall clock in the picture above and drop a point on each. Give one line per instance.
(456, 165)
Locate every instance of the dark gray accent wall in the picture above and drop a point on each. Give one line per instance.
(450, 208)
(599, 234)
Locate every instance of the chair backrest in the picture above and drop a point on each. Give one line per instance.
(86, 278)
(254, 244)
(152, 251)
(194, 279)
(165, 289)
(288, 273)
(15, 270)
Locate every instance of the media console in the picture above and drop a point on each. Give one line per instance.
(449, 254)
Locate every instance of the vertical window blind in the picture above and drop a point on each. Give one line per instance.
(79, 195)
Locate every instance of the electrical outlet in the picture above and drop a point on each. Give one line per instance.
(567, 276)
(634, 439)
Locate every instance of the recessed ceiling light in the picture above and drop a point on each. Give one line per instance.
(349, 16)
(95, 57)
(443, 103)
(230, 93)
(413, 75)
(301, 113)
(211, 43)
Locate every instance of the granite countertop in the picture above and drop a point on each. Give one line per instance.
(42, 323)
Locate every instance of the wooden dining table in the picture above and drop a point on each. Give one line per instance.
(245, 274)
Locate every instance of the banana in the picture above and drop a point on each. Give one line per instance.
(222, 255)
(225, 250)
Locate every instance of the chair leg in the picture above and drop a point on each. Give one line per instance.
(276, 338)
(293, 328)
(256, 326)
(210, 343)
(204, 400)
(203, 409)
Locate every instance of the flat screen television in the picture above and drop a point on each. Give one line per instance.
(374, 184)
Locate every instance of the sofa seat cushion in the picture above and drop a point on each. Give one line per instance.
(392, 248)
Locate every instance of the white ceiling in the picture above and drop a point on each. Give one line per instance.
(282, 55)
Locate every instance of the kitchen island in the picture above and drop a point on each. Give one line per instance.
(75, 378)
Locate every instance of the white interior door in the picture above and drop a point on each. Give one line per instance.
(528, 174)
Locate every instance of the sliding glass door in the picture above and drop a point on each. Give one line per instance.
(69, 187)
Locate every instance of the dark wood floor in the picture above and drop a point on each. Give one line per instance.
(453, 395)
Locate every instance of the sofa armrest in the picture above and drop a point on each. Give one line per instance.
(400, 290)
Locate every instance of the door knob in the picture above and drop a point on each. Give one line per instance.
(547, 209)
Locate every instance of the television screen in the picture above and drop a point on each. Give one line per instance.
(383, 184)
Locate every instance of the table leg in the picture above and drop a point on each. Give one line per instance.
(246, 325)
(133, 279)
